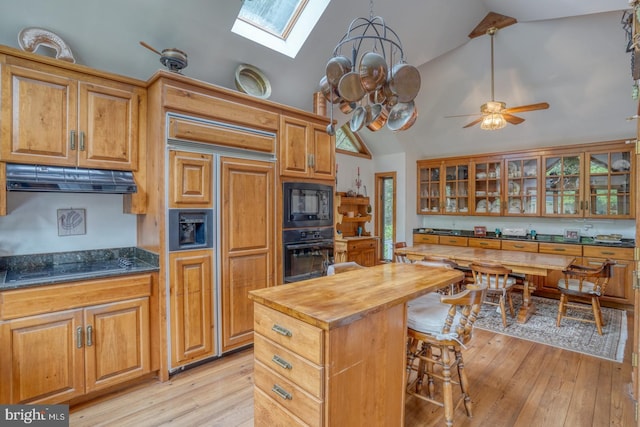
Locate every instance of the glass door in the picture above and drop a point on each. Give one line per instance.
(456, 188)
(562, 185)
(521, 186)
(429, 188)
(487, 187)
(609, 184)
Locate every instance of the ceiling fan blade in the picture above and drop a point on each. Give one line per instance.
(512, 119)
(475, 122)
(463, 115)
(530, 107)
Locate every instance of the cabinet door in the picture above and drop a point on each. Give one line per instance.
(190, 180)
(429, 188)
(117, 343)
(108, 127)
(522, 186)
(456, 189)
(191, 302)
(42, 358)
(39, 117)
(487, 187)
(610, 186)
(324, 158)
(562, 187)
(294, 147)
(247, 243)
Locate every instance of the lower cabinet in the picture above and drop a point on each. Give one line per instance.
(190, 305)
(54, 357)
(362, 251)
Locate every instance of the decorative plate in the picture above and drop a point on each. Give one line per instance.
(252, 81)
(31, 38)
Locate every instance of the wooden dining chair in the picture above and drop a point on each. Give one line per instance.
(341, 267)
(438, 328)
(400, 257)
(581, 288)
(433, 261)
(499, 284)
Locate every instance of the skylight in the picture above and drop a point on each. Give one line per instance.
(280, 25)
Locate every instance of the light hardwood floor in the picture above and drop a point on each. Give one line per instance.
(513, 383)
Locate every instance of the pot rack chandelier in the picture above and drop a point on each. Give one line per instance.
(368, 84)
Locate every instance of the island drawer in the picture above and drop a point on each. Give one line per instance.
(484, 243)
(607, 252)
(288, 364)
(510, 245)
(288, 395)
(293, 334)
(267, 412)
(560, 249)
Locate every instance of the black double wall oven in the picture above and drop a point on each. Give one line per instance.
(307, 236)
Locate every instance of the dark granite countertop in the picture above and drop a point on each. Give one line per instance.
(50, 268)
(544, 238)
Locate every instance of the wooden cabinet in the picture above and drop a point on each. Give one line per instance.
(619, 289)
(191, 306)
(522, 186)
(190, 180)
(487, 186)
(57, 351)
(454, 240)
(362, 251)
(56, 117)
(247, 243)
(426, 238)
(587, 180)
(511, 245)
(306, 150)
(484, 243)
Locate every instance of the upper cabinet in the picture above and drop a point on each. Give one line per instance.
(57, 117)
(306, 150)
(590, 180)
(190, 180)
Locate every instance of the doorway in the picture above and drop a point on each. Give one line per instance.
(385, 208)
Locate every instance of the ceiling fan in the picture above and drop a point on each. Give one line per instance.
(495, 114)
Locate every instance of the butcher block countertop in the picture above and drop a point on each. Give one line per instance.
(330, 302)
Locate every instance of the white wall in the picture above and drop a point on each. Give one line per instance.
(31, 224)
(346, 178)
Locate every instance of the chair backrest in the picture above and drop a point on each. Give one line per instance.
(597, 275)
(439, 260)
(400, 257)
(464, 306)
(341, 267)
(493, 275)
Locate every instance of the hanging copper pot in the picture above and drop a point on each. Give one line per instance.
(337, 67)
(329, 92)
(404, 81)
(379, 121)
(350, 87)
(373, 71)
(402, 116)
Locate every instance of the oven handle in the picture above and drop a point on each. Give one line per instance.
(319, 245)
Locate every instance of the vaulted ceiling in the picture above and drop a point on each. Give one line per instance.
(569, 53)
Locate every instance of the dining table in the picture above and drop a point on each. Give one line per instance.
(527, 263)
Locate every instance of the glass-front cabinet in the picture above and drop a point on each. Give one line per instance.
(522, 185)
(562, 196)
(582, 181)
(609, 184)
(456, 188)
(429, 187)
(487, 188)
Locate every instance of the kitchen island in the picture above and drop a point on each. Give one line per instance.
(330, 351)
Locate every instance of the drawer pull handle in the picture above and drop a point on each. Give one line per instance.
(281, 362)
(518, 246)
(281, 392)
(89, 336)
(483, 243)
(607, 253)
(79, 337)
(559, 249)
(282, 331)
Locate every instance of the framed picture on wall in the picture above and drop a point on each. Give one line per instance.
(71, 222)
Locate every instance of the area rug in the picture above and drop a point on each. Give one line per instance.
(572, 335)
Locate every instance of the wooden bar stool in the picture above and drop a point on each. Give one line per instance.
(583, 284)
(498, 282)
(439, 326)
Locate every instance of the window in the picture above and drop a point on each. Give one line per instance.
(350, 143)
(281, 25)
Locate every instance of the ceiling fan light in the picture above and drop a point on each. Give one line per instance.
(493, 121)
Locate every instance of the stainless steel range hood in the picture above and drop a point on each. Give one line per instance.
(68, 179)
